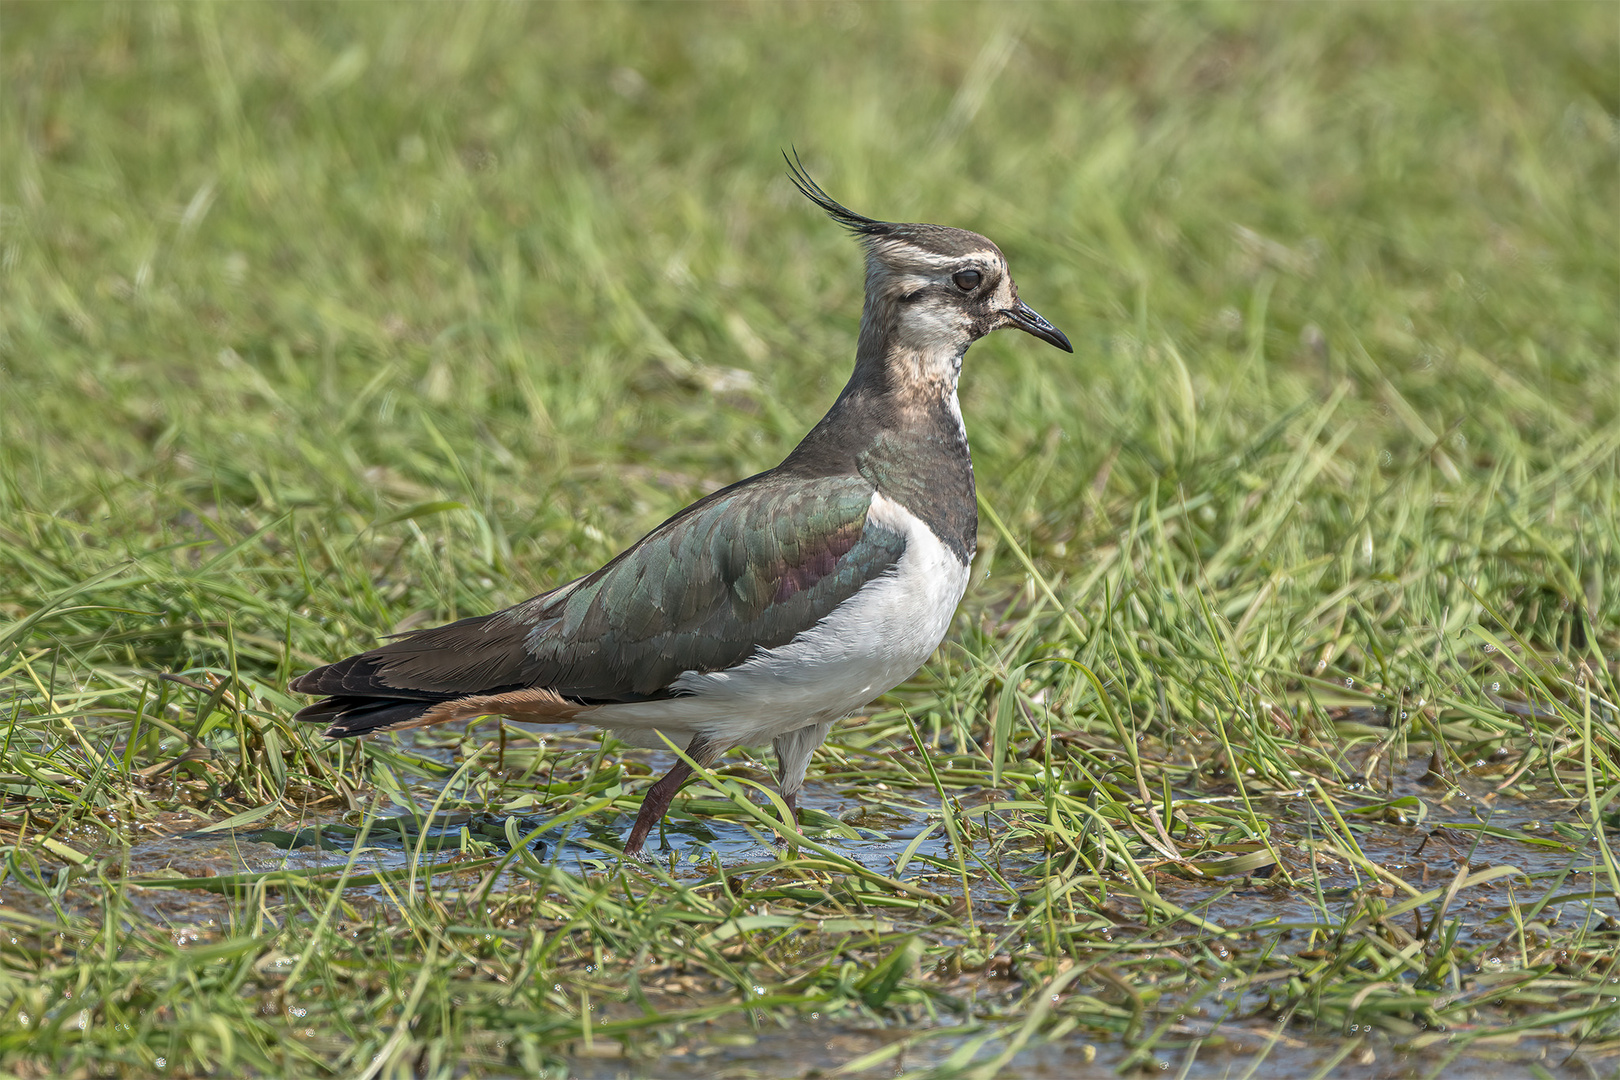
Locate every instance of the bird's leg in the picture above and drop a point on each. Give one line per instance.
(792, 820)
(655, 804)
(793, 751)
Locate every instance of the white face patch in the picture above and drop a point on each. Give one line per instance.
(934, 318)
(1006, 299)
(936, 328)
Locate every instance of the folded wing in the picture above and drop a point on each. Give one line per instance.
(748, 567)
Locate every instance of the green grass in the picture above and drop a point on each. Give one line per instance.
(319, 322)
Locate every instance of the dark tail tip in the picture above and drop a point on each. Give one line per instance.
(346, 718)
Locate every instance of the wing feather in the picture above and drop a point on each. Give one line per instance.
(746, 568)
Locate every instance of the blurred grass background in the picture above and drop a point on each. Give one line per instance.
(543, 261)
(319, 321)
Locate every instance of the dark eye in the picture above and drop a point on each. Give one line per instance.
(968, 280)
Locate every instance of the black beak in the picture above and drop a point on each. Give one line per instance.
(1024, 317)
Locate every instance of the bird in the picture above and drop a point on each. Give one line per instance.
(767, 610)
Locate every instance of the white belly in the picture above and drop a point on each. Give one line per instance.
(868, 645)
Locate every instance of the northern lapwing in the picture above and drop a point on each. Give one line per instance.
(769, 609)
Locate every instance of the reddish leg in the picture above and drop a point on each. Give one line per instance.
(655, 804)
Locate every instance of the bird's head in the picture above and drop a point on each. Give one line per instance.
(931, 289)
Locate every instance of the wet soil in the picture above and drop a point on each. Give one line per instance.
(1427, 838)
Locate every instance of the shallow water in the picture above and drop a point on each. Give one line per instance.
(1211, 1037)
(1239, 1050)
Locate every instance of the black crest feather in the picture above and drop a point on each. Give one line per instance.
(858, 224)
